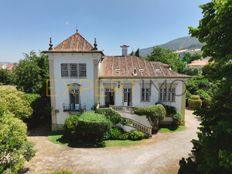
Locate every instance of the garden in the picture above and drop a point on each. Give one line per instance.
(100, 128)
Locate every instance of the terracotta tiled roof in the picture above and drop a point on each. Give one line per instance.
(8, 66)
(134, 67)
(75, 43)
(199, 62)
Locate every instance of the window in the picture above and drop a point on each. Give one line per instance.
(145, 97)
(73, 70)
(82, 70)
(167, 94)
(64, 70)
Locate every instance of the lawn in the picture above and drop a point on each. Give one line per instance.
(57, 138)
(168, 130)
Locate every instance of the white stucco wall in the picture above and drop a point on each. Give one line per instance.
(61, 92)
(136, 85)
(93, 90)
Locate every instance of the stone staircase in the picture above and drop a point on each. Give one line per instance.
(140, 123)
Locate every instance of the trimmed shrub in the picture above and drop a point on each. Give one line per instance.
(117, 134)
(177, 120)
(136, 135)
(124, 136)
(92, 127)
(154, 113)
(114, 133)
(110, 114)
(70, 125)
(195, 102)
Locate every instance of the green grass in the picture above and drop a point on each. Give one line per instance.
(57, 138)
(121, 143)
(167, 130)
(54, 138)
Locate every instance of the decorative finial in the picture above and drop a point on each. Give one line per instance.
(50, 44)
(76, 29)
(95, 44)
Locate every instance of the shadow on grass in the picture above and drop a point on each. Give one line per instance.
(58, 138)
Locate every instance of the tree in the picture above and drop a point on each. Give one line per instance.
(14, 147)
(188, 58)
(212, 152)
(32, 73)
(7, 77)
(15, 102)
(31, 77)
(166, 56)
(137, 53)
(132, 53)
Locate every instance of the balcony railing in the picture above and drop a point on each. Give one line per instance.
(71, 107)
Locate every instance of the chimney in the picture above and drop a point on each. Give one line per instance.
(124, 49)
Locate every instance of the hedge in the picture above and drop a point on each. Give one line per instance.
(136, 135)
(110, 114)
(89, 127)
(153, 113)
(156, 112)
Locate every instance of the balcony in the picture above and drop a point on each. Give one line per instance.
(71, 107)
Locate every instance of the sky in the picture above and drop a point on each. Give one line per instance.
(26, 25)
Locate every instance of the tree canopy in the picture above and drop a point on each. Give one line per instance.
(15, 102)
(212, 152)
(166, 56)
(32, 73)
(14, 147)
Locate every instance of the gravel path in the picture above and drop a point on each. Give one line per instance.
(160, 155)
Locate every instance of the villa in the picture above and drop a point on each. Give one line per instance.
(82, 77)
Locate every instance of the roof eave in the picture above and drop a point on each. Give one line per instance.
(136, 77)
(54, 51)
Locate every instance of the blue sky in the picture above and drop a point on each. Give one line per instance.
(26, 25)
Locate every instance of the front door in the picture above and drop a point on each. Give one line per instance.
(109, 97)
(127, 96)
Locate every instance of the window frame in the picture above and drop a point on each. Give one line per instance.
(145, 94)
(66, 70)
(167, 94)
(81, 70)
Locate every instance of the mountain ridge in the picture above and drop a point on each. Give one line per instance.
(181, 43)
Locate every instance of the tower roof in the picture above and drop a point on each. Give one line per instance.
(74, 43)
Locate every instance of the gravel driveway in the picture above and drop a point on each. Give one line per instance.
(160, 155)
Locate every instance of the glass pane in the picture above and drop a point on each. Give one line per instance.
(82, 70)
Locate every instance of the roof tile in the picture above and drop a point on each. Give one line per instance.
(124, 67)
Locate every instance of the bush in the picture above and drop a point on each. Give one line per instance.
(62, 172)
(89, 127)
(41, 110)
(70, 125)
(14, 147)
(117, 134)
(136, 135)
(205, 97)
(177, 120)
(110, 114)
(16, 102)
(154, 113)
(171, 110)
(195, 102)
